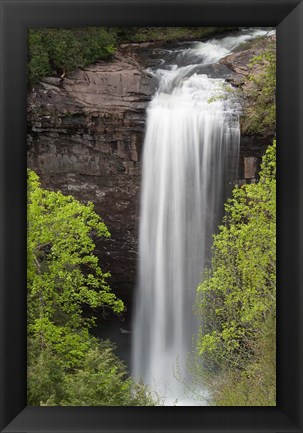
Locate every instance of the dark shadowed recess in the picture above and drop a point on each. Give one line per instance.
(16, 16)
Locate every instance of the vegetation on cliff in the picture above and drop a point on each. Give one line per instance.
(168, 34)
(260, 93)
(66, 365)
(56, 51)
(236, 300)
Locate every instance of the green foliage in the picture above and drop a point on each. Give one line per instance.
(169, 34)
(54, 50)
(237, 298)
(38, 60)
(100, 380)
(62, 271)
(256, 384)
(260, 114)
(103, 381)
(58, 51)
(66, 365)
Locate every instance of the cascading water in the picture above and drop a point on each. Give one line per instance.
(190, 161)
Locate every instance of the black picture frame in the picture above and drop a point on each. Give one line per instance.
(16, 17)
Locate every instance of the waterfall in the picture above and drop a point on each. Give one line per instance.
(190, 160)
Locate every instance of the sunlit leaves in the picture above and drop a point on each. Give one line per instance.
(238, 295)
(66, 365)
(63, 272)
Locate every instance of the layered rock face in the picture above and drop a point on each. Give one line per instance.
(85, 137)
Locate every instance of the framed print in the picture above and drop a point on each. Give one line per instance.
(132, 112)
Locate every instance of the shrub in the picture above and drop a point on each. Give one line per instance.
(58, 51)
(260, 112)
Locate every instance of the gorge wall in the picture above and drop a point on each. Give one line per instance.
(85, 136)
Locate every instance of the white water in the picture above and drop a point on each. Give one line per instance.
(190, 160)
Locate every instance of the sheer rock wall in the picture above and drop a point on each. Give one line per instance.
(85, 137)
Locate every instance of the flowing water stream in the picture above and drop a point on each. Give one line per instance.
(190, 161)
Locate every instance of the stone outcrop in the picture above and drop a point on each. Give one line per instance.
(85, 137)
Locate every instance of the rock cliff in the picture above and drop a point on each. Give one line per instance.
(85, 136)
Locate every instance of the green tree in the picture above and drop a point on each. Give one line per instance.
(66, 365)
(237, 299)
(62, 271)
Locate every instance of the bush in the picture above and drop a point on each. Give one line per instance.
(59, 51)
(100, 380)
(260, 112)
(38, 60)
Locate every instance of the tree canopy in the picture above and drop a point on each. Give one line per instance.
(236, 300)
(66, 365)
